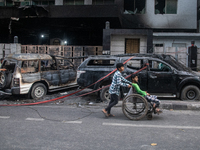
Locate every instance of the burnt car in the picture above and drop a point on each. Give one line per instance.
(164, 76)
(35, 74)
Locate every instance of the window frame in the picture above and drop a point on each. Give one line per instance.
(165, 8)
(157, 70)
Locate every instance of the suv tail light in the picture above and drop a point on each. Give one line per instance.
(16, 81)
(79, 73)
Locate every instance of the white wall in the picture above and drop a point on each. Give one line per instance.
(9, 49)
(118, 43)
(168, 41)
(60, 2)
(186, 17)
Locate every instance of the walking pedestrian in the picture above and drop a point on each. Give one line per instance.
(114, 90)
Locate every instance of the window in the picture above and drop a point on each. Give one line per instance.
(135, 64)
(73, 2)
(101, 2)
(29, 66)
(100, 62)
(135, 6)
(158, 66)
(64, 64)
(47, 65)
(158, 45)
(165, 6)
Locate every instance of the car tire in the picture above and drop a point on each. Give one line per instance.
(8, 80)
(3, 79)
(105, 95)
(38, 91)
(190, 92)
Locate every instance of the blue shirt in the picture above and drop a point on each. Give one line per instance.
(118, 81)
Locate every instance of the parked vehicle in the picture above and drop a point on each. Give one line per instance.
(36, 74)
(165, 76)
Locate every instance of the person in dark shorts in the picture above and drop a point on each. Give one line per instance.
(114, 90)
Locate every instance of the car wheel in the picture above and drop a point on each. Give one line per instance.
(38, 90)
(190, 92)
(2, 80)
(105, 95)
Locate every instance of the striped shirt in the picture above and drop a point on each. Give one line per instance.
(118, 81)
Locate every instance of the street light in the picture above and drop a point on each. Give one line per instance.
(42, 35)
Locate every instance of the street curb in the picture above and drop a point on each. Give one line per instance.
(176, 105)
(180, 106)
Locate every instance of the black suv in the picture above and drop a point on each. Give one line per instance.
(164, 76)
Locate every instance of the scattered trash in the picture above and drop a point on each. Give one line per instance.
(153, 144)
(182, 130)
(91, 103)
(64, 93)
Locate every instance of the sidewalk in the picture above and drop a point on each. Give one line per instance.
(176, 105)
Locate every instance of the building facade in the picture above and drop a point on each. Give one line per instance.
(120, 26)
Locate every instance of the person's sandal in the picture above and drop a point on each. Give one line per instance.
(159, 112)
(111, 115)
(105, 112)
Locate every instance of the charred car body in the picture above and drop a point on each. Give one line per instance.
(35, 74)
(164, 76)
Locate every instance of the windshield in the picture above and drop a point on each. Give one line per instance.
(176, 64)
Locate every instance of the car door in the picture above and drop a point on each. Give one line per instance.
(67, 71)
(49, 72)
(134, 65)
(161, 78)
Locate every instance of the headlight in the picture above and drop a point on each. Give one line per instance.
(79, 73)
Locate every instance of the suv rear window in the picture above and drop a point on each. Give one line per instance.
(101, 62)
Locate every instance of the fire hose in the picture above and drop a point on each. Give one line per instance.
(47, 101)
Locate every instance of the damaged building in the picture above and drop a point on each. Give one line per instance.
(119, 26)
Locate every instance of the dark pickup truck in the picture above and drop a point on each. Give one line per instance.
(164, 76)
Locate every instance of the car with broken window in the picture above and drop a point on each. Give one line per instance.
(36, 74)
(164, 75)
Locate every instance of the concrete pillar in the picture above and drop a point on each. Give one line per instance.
(1, 50)
(15, 48)
(58, 2)
(87, 2)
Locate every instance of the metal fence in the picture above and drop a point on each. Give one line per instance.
(64, 51)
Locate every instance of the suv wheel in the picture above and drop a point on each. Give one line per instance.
(105, 95)
(38, 90)
(190, 92)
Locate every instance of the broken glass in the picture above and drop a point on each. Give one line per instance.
(135, 6)
(165, 6)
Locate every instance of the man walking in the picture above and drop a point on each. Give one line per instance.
(117, 81)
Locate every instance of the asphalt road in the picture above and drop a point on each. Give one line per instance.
(46, 127)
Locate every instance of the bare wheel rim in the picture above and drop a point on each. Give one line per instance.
(39, 92)
(191, 94)
(2, 79)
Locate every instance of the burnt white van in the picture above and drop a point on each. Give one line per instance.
(35, 74)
